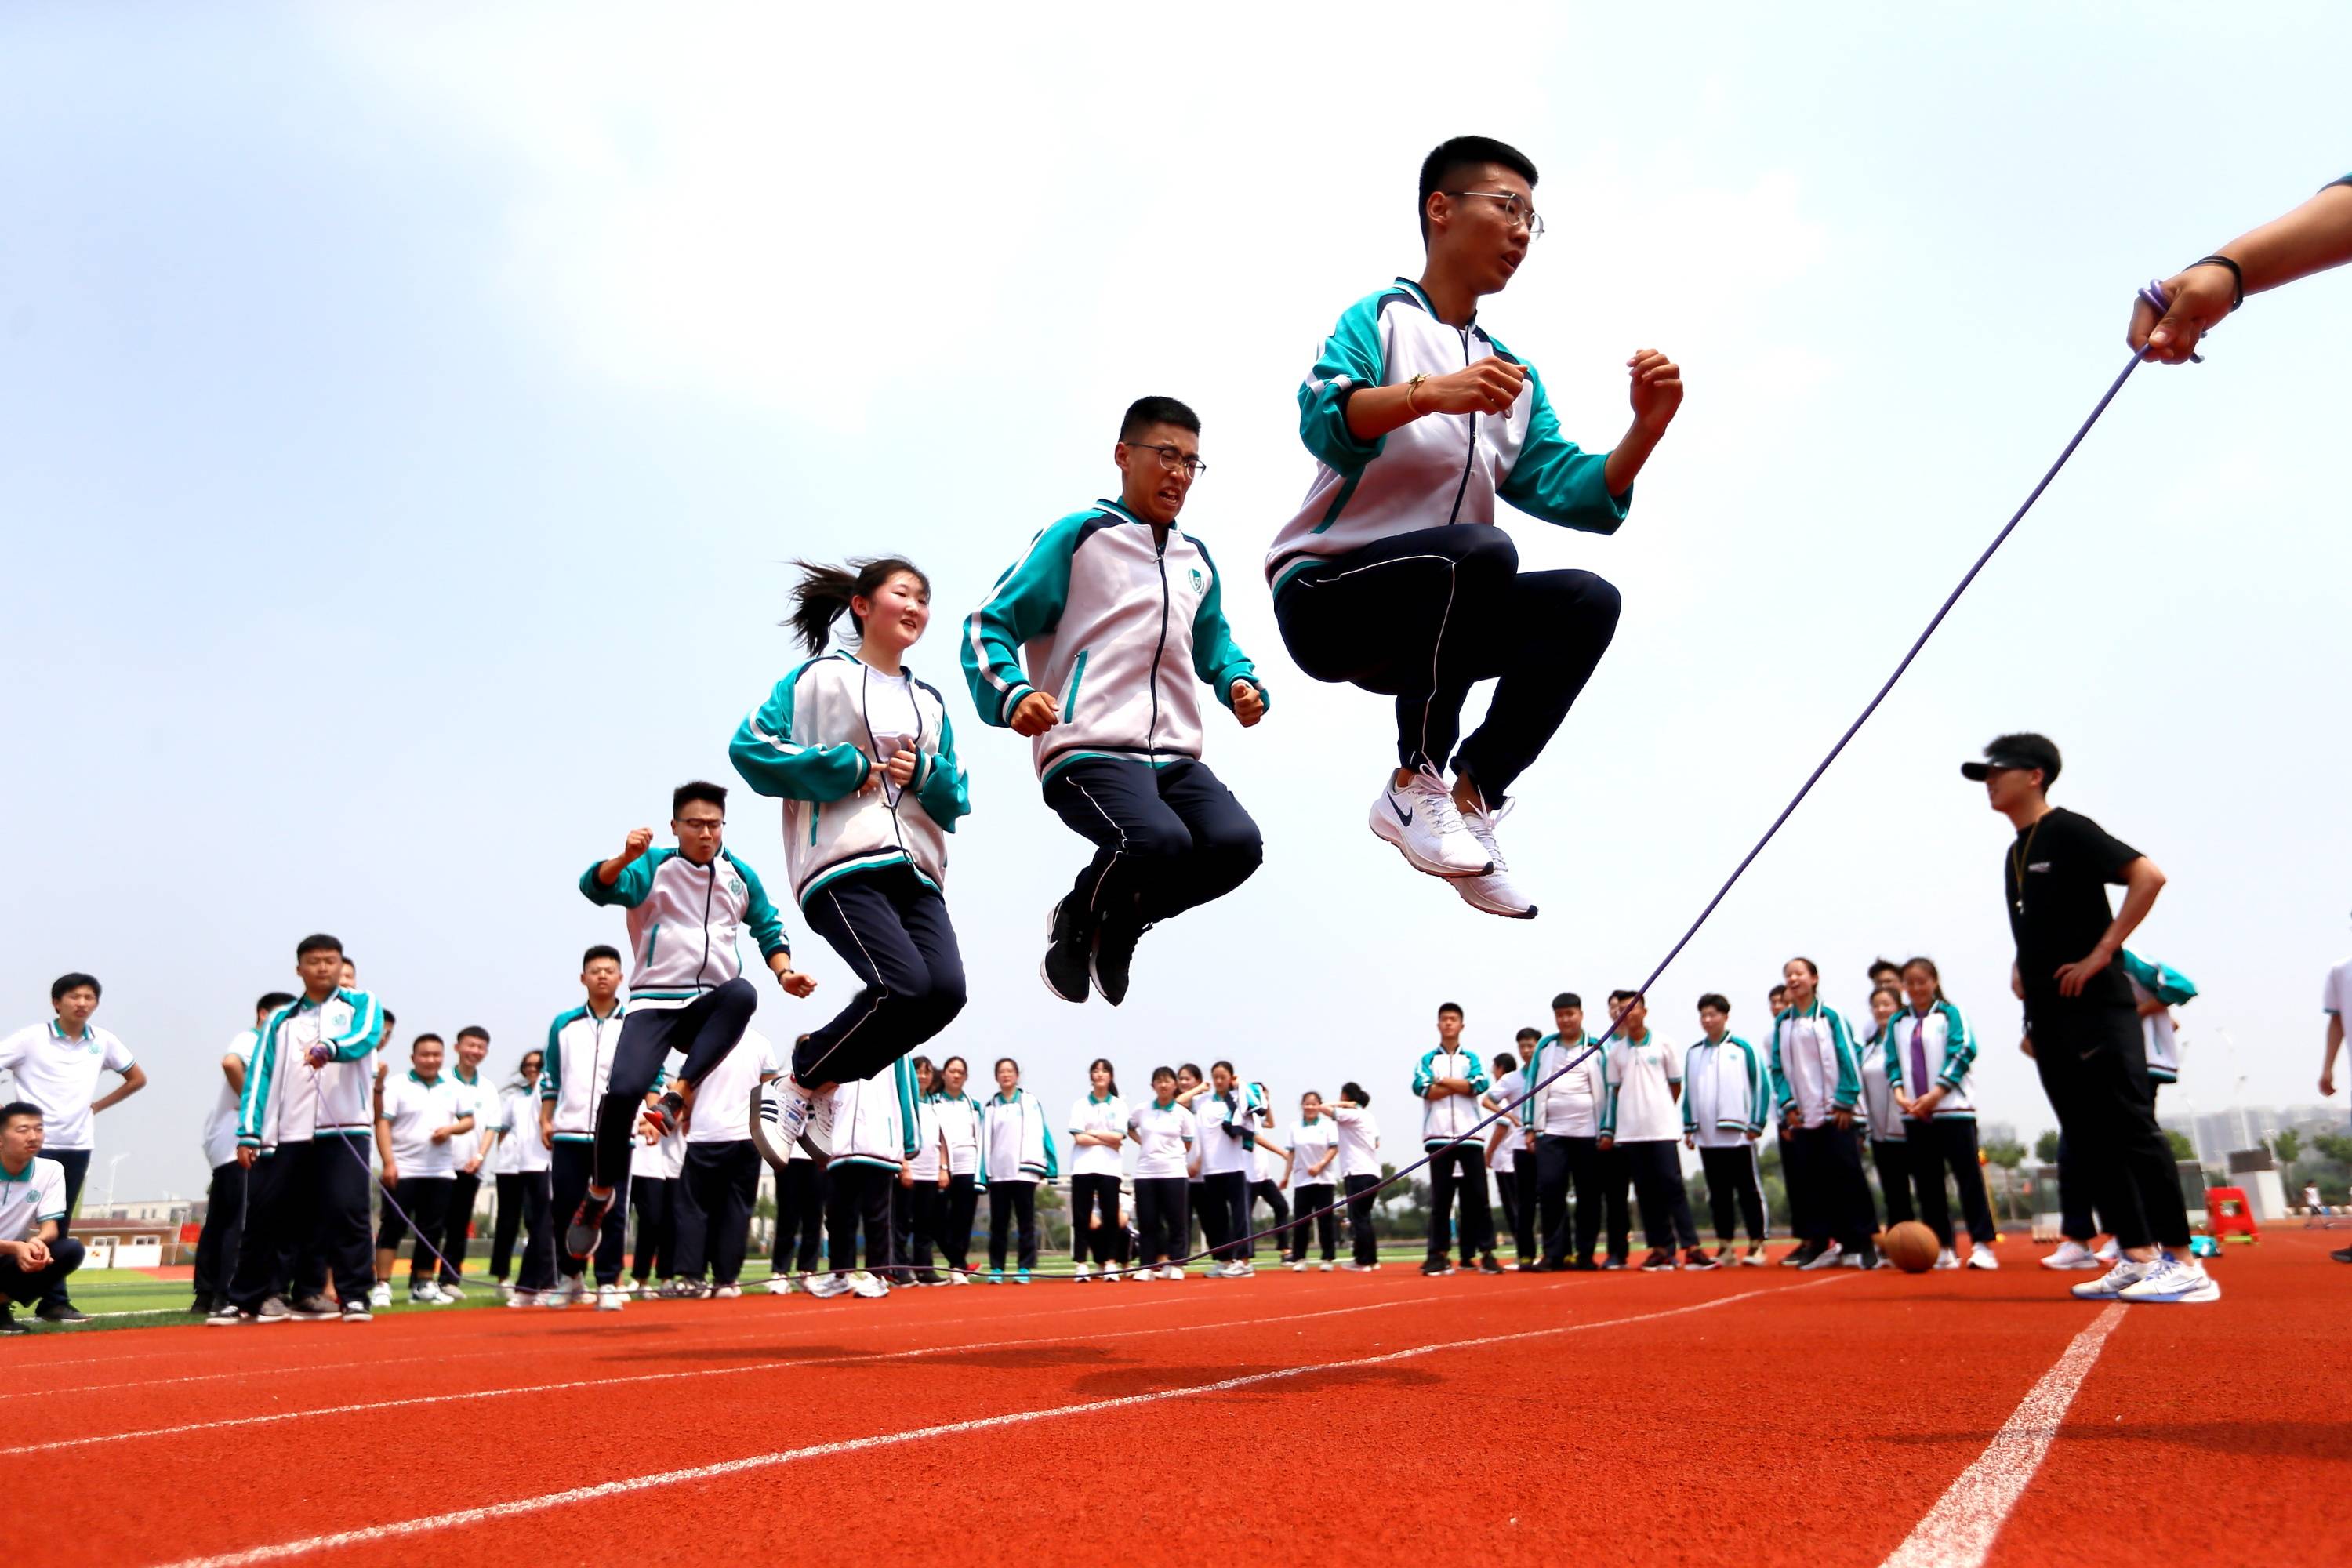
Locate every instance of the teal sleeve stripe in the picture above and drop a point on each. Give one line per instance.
(1025, 604)
(902, 1075)
(1216, 657)
(551, 1071)
(1779, 1069)
(759, 913)
(773, 761)
(257, 1075)
(1959, 1048)
(946, 791)
(628, 889)
(355, 1042)
(1422, 1075)
(1849, 1062)
(1556, 480)
(1352, 358)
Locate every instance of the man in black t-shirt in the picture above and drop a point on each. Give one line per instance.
(2080, 1023)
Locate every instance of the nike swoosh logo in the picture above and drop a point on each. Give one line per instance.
(1402, 815)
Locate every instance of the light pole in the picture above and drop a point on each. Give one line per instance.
(110, 1165)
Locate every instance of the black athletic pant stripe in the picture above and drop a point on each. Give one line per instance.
(894, 933)
(1425, 616)
(1167, 840)
(703, 1031)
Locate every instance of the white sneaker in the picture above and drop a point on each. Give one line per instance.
(2109, 1252)
(2174, 1280)
(426, 1295)
(867, 1285)
(2073, 1254)
(2114, 1282)
(1082, 1273)
(1756, 1257)
(827, 1286)
(379, 1293)
(1947, 1259)
(784, 1114)
(521, 1297)
(610, 1299)
(1298, 1267)
(1494, 893)
(781, 1285)
(726, 1293)
(1980, 1256)
(449, 1292)
(1423, 822)
(958, 1276)
(1171, 1272)
(1326, 1266)
(1110, 1271)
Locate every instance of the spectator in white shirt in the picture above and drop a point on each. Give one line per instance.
(961, 1120)
(1644, 1122)
(223, 1228)
(519, 1164)
(476, 1099)
(1511, 1144)
(721, 1171)
(57, 1066)
(35, 1254)
(1314, 1150)
(1359, 1170)
(1163, 1130)
(1097, 1127)
(1270, 1172)
(920, 1201)
(419, 1132)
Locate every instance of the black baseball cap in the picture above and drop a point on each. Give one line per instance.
(2019, 752)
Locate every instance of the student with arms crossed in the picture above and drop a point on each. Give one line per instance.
(1099, 1130)
(1393, 576)
(1091, 645)
(1448, 1082)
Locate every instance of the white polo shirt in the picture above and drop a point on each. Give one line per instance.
(220, 1122)
(60, 1075)
(722, 1101)
(31, 1197)
(1269, 1161)
(1310, 1141)
(1642, 1101)
(480, 1101)
(1219, 1133)
(416, 1109)
(1088, 1114)
(1161, 1132)
(1360, 1142)
(2338, 996)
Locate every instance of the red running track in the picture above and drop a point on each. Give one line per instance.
(1752, 1417)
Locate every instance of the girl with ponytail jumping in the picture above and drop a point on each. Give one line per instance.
(862, 754)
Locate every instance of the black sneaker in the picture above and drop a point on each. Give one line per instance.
(1114, 956)
(202, 1307)
(1805, 1253)
(1064, 968)
(664, 1115)
(1611, 1262)
(1584, 1266)
(317, 1310)
(50, 1312)
(1488, 1265)
(1437, 1268)
(1660, 1261)
(1699, 1257)
(2342, 1255)
(8, 1324)
(587, 1226)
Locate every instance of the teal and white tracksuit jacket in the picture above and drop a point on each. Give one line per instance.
(875, 1120)
(1951, 1054)
(812, 743)
(1727, 1095)
(1453, 1119)
(684, 919)
(1440, 468)
(285, 1100)
(1014, 1143)
(1573, 1104)
(2153, 982)
(579, 1064)
(1117, 625)
(1815, 1066)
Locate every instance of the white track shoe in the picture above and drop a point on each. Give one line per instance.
(2072, 1254)
(1422, 821)
(1493, 893)
(784, 1114)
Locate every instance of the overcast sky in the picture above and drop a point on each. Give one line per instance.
(406, 417)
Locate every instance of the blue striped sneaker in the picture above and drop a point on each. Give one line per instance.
(2107, 1286)
(2174, 1280)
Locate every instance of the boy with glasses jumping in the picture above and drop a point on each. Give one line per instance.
(1394, 575)
(1090, 646)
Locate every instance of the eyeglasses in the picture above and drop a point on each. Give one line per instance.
(700, 824)
(1514, 208)
(1173, 459)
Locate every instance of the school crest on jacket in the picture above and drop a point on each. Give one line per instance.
(1116, 625)
(809, 745)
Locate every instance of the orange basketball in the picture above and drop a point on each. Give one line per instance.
(1910, 1246)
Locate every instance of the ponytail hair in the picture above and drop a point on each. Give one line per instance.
(825, 594)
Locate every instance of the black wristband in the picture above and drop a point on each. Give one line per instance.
(2237, 278)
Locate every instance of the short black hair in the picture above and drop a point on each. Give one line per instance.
(1629, 996)
(319, 941)
(1453, 1007)
(1716, 1000)
(15, 1107)
(601, 950)
(65, 982)
(1456, 153)
(390, 1018)
(1145, 412)
(1526, 1035)
(1353, 1093)
(2034, 751)
(1567, 999)
(475, 1032)
(696, 789)
(1878, 964)
(273, 1000)
(1503, 1062)
(428, 1035)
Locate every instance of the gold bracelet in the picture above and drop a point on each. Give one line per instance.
(1412, 386)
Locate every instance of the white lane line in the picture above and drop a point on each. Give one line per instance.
(519, 1335)
(431, 1523)
(795, 1364)
(1959, 1531)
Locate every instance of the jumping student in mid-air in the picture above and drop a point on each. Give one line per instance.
(1726, 1099)
(1115, 611)
(863, 758)
(1394, 575)
(686, 906)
